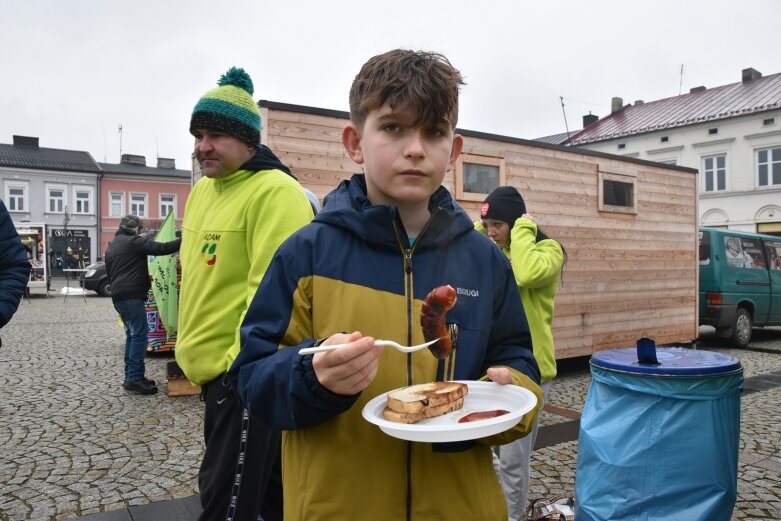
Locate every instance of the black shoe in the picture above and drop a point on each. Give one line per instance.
(149, 381)
(140, 386)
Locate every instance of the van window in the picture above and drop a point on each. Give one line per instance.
(744, 253)
(734, 251)
(704, 248)
(773, 250)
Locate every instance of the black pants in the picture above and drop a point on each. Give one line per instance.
(240, 476)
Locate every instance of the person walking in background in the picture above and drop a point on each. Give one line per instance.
(383, 240)
(245, 205)
(537, 262)
(14, 268)
(128, 272)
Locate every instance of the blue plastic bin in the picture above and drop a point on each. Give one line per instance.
(659, 441)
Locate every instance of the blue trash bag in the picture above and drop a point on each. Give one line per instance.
(658, 448)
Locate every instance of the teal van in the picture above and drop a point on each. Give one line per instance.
(740, 282)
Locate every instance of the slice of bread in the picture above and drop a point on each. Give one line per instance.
(417, 398)
(429, 412)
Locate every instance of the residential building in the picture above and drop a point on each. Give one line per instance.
(731, 134)
(55, 188)
(149, 192)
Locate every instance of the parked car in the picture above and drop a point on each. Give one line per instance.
(96, 279)
(740, 282)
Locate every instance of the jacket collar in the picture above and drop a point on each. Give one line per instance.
(348, 207)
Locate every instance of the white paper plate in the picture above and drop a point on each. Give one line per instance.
(482, 396)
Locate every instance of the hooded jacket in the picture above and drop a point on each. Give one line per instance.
(537, 262)
(127, 266)
(231, 228)
(353, 269)
(14, 267)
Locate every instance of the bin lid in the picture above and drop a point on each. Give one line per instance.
(673, 361)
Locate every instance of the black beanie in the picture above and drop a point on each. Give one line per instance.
(503, 204)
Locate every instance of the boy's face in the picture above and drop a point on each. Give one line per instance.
(404, 164)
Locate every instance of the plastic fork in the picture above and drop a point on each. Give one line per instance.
(390, 343)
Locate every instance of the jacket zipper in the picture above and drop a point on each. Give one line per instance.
(408, 285)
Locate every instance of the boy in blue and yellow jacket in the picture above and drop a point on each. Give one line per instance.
(360, 271)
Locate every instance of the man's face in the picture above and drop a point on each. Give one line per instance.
(219, 154)
(404, 164)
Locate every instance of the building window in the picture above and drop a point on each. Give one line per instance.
(138, 204)
(116, 204)
(768, 122)
(55, 196)
(167, 205)
(664, 139)
(82, 201)
(477, 176)
(621, 146)
(769, 166)
(715, 171)
(712, 131)
(617, 193)
(16, 197)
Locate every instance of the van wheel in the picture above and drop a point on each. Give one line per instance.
(741, 328)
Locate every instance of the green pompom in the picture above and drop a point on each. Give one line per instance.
(238, 78)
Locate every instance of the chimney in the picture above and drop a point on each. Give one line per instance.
(131, 159)
(751, 74)
(694, 90)
(639, 102)
(616, 105)
(589, 118)
(26, 141)
(164, 162)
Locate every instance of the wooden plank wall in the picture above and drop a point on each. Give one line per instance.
(627, 276)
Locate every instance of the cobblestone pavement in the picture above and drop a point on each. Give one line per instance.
(73, 442)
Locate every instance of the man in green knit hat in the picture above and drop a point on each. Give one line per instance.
(236, 216)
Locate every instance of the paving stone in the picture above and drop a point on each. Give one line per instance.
(74, 443)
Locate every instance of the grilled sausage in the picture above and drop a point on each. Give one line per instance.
(432, 319)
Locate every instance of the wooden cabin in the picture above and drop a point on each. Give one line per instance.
(629, 226)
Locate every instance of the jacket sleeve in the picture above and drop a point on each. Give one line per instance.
(152, 247)
(535, 264)
(510, 345)
(277, 385)
(14, 267)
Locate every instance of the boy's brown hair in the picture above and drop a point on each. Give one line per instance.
(424, 82)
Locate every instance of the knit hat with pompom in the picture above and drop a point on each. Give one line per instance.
(229, 108)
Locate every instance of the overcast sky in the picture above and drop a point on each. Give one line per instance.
(73, 71)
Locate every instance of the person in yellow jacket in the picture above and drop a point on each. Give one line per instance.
(245, 205)
(537, 262)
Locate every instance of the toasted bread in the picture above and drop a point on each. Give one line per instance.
(417, 398)
(428, 412)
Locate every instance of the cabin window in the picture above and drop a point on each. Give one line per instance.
(769, 166)
(714, 170)
(617, 193)
(477, 176)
